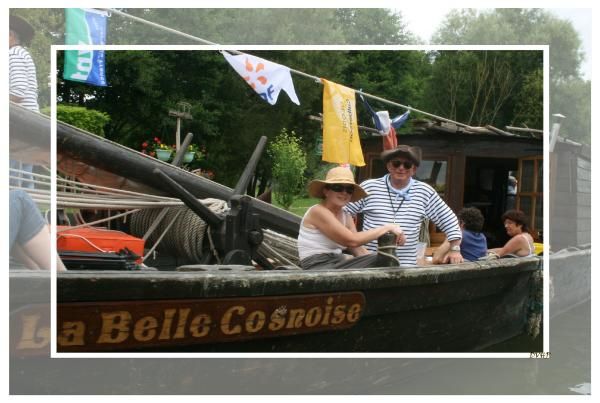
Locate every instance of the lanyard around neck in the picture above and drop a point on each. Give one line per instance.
(387, 185)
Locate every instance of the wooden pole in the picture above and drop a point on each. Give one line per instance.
(178, 134)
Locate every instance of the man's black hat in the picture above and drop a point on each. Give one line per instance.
(23, 28)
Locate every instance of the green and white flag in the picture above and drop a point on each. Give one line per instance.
(85, 27)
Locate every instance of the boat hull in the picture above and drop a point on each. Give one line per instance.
(459, 308)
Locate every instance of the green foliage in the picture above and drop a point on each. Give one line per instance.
(519, 26)
(82, 118)
(289, 163)
(366, 26)
(572, 99)
(569, 94)
(267, 26)
(529, 106)
(485, 87)
(300, 205)
(229, 118)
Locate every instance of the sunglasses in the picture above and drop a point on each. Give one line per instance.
(341, 188)
(406, 164)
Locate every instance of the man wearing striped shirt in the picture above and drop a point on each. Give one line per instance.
(400, 199)
(23, 87)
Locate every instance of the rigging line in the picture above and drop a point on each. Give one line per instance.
(89, 224)
(30, 181)
(22, 176)
(104, 204)
(65, 195)
(116, 202)
(155, 25)
(162, 235)
(105, 189)
(298, 72)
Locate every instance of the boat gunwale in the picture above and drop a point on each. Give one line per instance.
(130, 285)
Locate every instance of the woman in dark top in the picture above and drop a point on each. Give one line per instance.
(473, 244)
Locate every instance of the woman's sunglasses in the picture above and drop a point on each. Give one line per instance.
(341, 188)
(407, 164)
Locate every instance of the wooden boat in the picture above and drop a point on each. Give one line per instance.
(235, 307)
(458, 308)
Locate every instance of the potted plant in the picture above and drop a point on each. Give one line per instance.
(192, 153)
(156, 148)
(163, 152)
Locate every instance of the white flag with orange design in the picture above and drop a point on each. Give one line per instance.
(267, 78)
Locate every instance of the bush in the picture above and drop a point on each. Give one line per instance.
(289, 163)
(85, 119)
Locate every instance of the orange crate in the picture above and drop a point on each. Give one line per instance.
(93, 239)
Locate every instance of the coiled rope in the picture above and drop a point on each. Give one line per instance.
(180, 231)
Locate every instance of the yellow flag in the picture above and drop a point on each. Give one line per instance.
(341, 143)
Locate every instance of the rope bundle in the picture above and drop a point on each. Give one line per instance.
(185, 237)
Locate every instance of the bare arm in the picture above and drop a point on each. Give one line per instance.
(324, 220)
(37, 251)
(359, 250)
(440, 253)
(513, 246)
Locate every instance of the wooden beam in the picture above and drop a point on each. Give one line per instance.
(523, 129)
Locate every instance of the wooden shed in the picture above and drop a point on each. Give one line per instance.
(471, 167)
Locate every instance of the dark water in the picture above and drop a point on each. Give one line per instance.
(568, 371)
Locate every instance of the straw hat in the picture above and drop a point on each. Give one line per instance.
(412, 153)
(339, 175)
(21, 27)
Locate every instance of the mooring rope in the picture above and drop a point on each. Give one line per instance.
(381, 250)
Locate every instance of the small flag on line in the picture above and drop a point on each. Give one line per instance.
(265, 77)
(85, 27)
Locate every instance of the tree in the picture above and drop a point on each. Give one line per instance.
(531, 26)
(572, 99)
(267, 26)
(373, 25)
(484, 87)
(289, 163)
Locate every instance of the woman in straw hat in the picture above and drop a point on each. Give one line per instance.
(326, 230)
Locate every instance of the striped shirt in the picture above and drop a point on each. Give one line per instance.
(22, 77)
(384, 206)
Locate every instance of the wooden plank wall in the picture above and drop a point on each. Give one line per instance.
(571, 197)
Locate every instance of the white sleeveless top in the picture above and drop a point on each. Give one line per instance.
(312, 242)
(531, 247)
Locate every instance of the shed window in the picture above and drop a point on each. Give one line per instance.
(433, 172)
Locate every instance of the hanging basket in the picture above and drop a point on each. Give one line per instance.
(189, 156)
(163, 155)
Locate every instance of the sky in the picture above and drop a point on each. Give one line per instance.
(425, 24)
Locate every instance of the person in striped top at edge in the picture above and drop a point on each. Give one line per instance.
(400, 199)
(23, 88)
